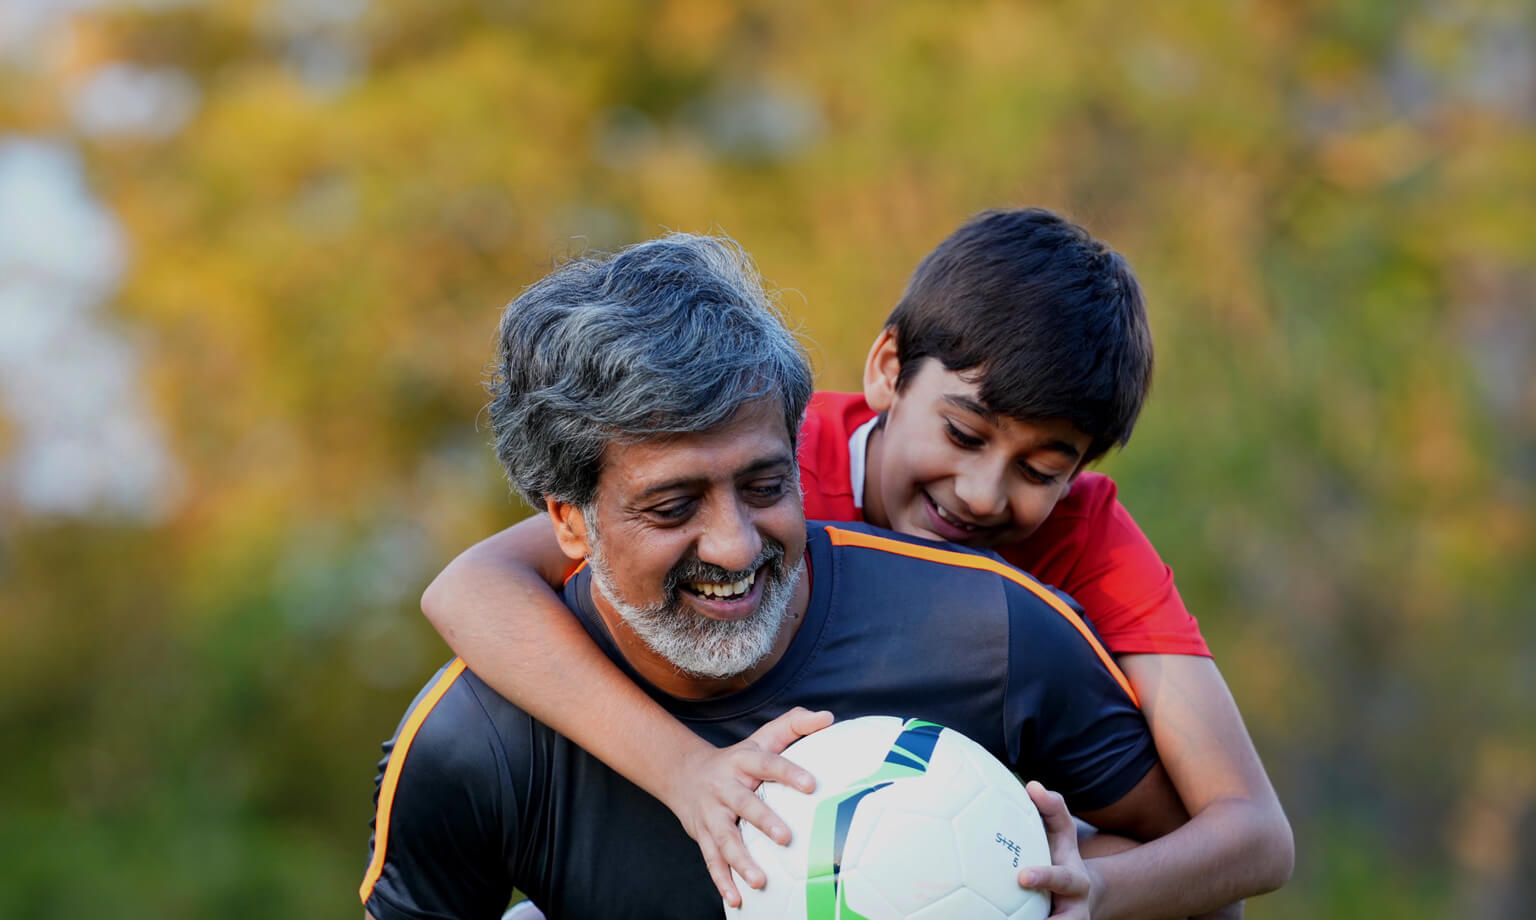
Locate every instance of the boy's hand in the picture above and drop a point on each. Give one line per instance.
(716, 786)
(1067, 878)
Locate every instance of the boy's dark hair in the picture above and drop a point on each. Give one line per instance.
(1048, 321)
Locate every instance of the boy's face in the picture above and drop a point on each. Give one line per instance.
(945, 466)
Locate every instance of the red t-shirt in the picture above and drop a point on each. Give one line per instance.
(1089, 547)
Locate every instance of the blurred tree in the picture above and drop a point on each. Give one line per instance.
(1329, 205)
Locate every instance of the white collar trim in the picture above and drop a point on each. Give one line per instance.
(858, 448)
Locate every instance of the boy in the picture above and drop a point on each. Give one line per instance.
(1018, 354)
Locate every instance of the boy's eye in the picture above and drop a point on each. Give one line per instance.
(1037, 476)
(961, 438)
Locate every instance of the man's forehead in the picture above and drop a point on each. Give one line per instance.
(751, 441)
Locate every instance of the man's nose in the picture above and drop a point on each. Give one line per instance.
(730, 538)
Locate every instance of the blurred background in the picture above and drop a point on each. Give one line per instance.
(252, 255)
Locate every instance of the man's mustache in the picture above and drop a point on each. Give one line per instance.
(694, 569)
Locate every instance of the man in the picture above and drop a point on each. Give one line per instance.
(650, 402)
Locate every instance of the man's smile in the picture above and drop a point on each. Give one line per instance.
(727, 600)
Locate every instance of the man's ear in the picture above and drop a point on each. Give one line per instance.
(570, 527)
(881, 369)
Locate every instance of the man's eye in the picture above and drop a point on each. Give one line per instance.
(960, 438)
(673, 511)
(766, 491)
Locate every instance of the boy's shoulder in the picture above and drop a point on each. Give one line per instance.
(1091, 494)
(835, 415)
(826, 474)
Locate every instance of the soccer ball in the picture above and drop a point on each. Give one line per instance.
(908, 820)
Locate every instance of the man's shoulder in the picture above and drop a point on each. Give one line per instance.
(457, 726)
(447, 799)
(988, 582)
(899, 552)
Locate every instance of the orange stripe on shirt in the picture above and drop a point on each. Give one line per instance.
(392, 773)
(842, 537)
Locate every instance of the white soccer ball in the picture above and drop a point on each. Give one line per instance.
(909, 821)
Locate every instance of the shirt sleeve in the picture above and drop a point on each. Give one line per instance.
(445, 818)
(1121, 582)
(1081, 735)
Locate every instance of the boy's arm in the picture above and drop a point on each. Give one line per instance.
(497, 608)
(1236, 845)
(1238, 829)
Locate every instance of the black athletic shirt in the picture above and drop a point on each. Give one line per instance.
(475, 797)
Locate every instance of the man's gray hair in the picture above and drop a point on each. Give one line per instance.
(666, 337)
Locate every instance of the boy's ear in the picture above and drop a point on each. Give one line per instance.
(881, 369)
(570, 527)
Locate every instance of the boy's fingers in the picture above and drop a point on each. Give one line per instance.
(761, 765)
(754, 811)
(742, 804)
(735, 854)
(1060, 828)
(1052, 807)
(806, 721)
(777, 734)
(1055, 879)
(719, 872)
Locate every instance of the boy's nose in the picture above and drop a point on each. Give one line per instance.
(980, 489)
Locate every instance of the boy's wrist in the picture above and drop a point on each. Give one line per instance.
(1096, 887)
(676, 765)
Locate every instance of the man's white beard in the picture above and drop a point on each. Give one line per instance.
(693, 643)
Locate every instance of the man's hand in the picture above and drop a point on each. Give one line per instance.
(717, 786)
(1067, 878)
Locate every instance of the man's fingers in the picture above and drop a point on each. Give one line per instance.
(1055, 879)
(777, 734)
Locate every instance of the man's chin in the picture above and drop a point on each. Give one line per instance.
(724, 648)
(710, 646)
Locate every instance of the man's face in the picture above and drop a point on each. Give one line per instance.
(698, 540)
(946, 467)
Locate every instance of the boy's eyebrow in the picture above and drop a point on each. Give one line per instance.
(975, 406)
(992, 418)
(1062, 447)
(757, 466)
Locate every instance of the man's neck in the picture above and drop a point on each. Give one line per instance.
(666, 677)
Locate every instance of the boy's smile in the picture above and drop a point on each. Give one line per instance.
(945, 466)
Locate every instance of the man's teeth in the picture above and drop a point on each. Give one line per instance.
(729, 589)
